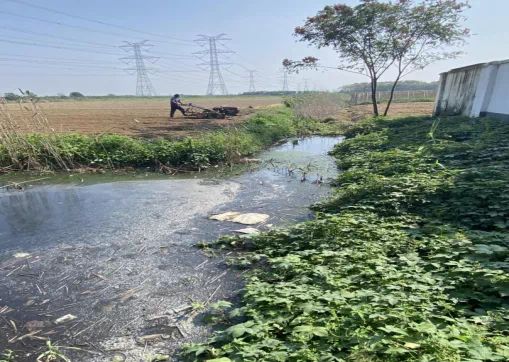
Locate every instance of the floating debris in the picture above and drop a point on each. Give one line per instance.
(250, 160)
(21, 255)
(152, 338)
(66, 318)
(35, 325)
(251, 218)
(248, 230)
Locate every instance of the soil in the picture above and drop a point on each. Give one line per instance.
(411, 109)
(149, 118)
(143, 118)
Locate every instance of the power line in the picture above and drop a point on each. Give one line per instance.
(144, 86)
(216, 81)
(104, 23)
(46, 45)
(59, 64)
(25, 56)
(61, 24)
(24, 31)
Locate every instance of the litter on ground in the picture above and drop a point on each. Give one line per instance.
(251, 218)
(248, 230)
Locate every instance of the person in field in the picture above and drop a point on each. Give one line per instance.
(176, 104)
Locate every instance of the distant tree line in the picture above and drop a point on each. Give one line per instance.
(269, 93)
(407, 85)
(15, 97)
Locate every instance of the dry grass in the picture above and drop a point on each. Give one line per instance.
(359, 112)
(14, 129)
(318, 105)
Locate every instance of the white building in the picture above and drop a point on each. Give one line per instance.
(478, 90)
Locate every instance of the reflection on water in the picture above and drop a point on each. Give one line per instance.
(27, 212)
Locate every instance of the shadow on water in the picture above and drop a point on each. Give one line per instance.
(116, 255)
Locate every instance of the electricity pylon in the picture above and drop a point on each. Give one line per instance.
(144, 86)
(216, 81)
(252, 87)
(285, 81)
(306, 87)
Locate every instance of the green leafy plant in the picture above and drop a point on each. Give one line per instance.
(8, 356)
(51, 354)
(407, 261)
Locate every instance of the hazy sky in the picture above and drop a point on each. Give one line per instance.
(49, 52)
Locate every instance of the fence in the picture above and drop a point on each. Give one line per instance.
(399, 96)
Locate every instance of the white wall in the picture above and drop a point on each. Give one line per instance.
(499, 100)
(475, 91)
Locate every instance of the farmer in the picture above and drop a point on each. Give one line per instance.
(176, 103)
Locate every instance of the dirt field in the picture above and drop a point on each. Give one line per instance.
(397, 110)
(138, 117)
(149, 118)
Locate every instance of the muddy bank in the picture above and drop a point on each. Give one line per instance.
(119, 257)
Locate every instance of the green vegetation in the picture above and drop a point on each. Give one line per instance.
(407, 261)
(76, 95)
(404, 85)
(67, 151)
(375, 36)
(8, 356)
(317, 105)
(52, 354)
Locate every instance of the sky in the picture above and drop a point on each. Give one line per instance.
(57, 46)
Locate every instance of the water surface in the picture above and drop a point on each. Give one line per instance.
(120, 256)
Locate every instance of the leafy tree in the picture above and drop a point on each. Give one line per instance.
(11, 96)
(76, 95)
(375, 37)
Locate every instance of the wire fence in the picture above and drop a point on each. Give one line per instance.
(399, 96)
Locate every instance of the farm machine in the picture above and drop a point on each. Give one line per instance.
(196, 112)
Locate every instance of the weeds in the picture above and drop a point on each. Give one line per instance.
(52, 354)
(24, 151)
(57, 152)
(317, 105)
(406, 262)
(8, 356)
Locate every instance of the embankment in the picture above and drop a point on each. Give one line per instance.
(70, 151)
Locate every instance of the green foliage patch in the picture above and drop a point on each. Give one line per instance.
(111, 150)
(408, 260)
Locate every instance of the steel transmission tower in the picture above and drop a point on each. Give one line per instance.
(252, 87)
(306, 87)
(216, 81)
(285, 81)
(144, 86)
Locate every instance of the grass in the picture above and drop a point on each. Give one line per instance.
(407, 261)
(67, 151)
(317, 105)
(52, 354)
